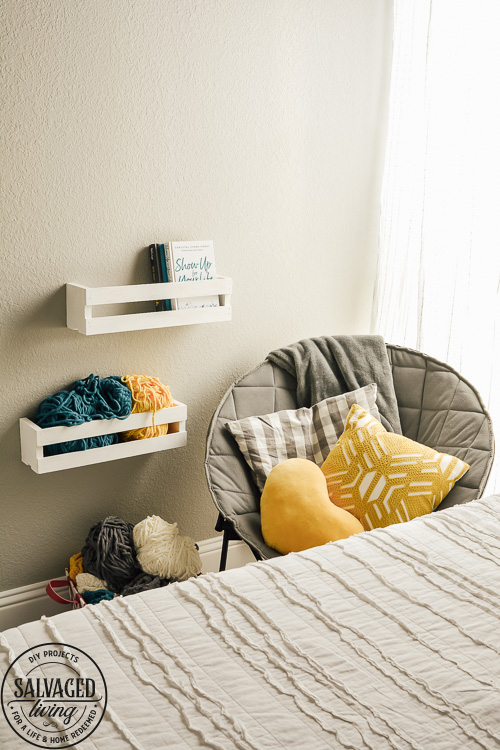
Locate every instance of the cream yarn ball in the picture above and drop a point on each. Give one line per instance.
(162, 551)
(88, 582)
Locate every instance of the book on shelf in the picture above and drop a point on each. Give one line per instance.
(190, 261)
(158, 276)
(163, 272)
(153, 259)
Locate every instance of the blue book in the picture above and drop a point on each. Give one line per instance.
(155, 272)
(164, 277)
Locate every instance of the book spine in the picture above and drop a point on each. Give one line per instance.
(161, 303)
(164, 272)
(170, 270)
(154, 270)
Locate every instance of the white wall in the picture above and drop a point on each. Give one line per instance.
(256, 123)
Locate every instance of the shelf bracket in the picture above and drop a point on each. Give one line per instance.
(78, 312)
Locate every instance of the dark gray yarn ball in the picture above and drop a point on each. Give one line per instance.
(144, 582)
(109, 553)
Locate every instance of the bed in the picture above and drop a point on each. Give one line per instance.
(389, 639)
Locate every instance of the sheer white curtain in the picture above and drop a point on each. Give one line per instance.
(438, 282)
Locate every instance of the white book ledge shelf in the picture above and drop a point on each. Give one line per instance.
(81, 299)
(33, 438)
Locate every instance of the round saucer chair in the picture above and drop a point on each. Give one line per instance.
(437, 407)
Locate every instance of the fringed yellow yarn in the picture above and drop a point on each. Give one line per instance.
(148, 394)
(75, 566)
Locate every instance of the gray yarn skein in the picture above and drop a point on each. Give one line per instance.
(145, 582)
(109, 553)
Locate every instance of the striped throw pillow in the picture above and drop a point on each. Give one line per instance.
(304, 433)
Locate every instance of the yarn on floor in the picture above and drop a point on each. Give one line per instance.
(88, 582)
(109, 552)
(144, 582)
(75, 566)
(162, 551)
(94, 597)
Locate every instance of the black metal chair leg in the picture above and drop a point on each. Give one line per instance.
(225, 545)
(229, 533)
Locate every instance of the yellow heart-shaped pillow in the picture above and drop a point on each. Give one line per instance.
(296, 511)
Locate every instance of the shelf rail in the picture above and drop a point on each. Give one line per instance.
(34, 438)
(81, 299)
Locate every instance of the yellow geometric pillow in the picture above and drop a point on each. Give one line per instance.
(383, 478)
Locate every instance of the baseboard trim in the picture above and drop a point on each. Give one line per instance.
(28, 603)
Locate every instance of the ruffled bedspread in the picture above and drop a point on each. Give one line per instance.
(390, 639)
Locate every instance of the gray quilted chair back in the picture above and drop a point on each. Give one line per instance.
(437, 407)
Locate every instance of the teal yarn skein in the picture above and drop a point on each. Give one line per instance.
(88, 399)
(94, 597)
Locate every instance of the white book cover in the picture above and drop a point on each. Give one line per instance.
(192, 261)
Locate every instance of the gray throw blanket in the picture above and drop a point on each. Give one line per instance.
(331, 365)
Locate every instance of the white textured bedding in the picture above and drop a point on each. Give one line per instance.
(390, 639)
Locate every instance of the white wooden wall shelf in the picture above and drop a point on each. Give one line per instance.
(81, 299)
(33, 438)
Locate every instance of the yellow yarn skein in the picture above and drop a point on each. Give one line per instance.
(75, 566)
(148, 394)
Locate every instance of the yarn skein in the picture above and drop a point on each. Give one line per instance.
(162, 551)
(88, 399)
(148, 394)
(94, 597)
(88, 582)
(144, 582)
(82, 444)
(109, 552)
(75, 566)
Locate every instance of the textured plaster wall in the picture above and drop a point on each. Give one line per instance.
(256, 123)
